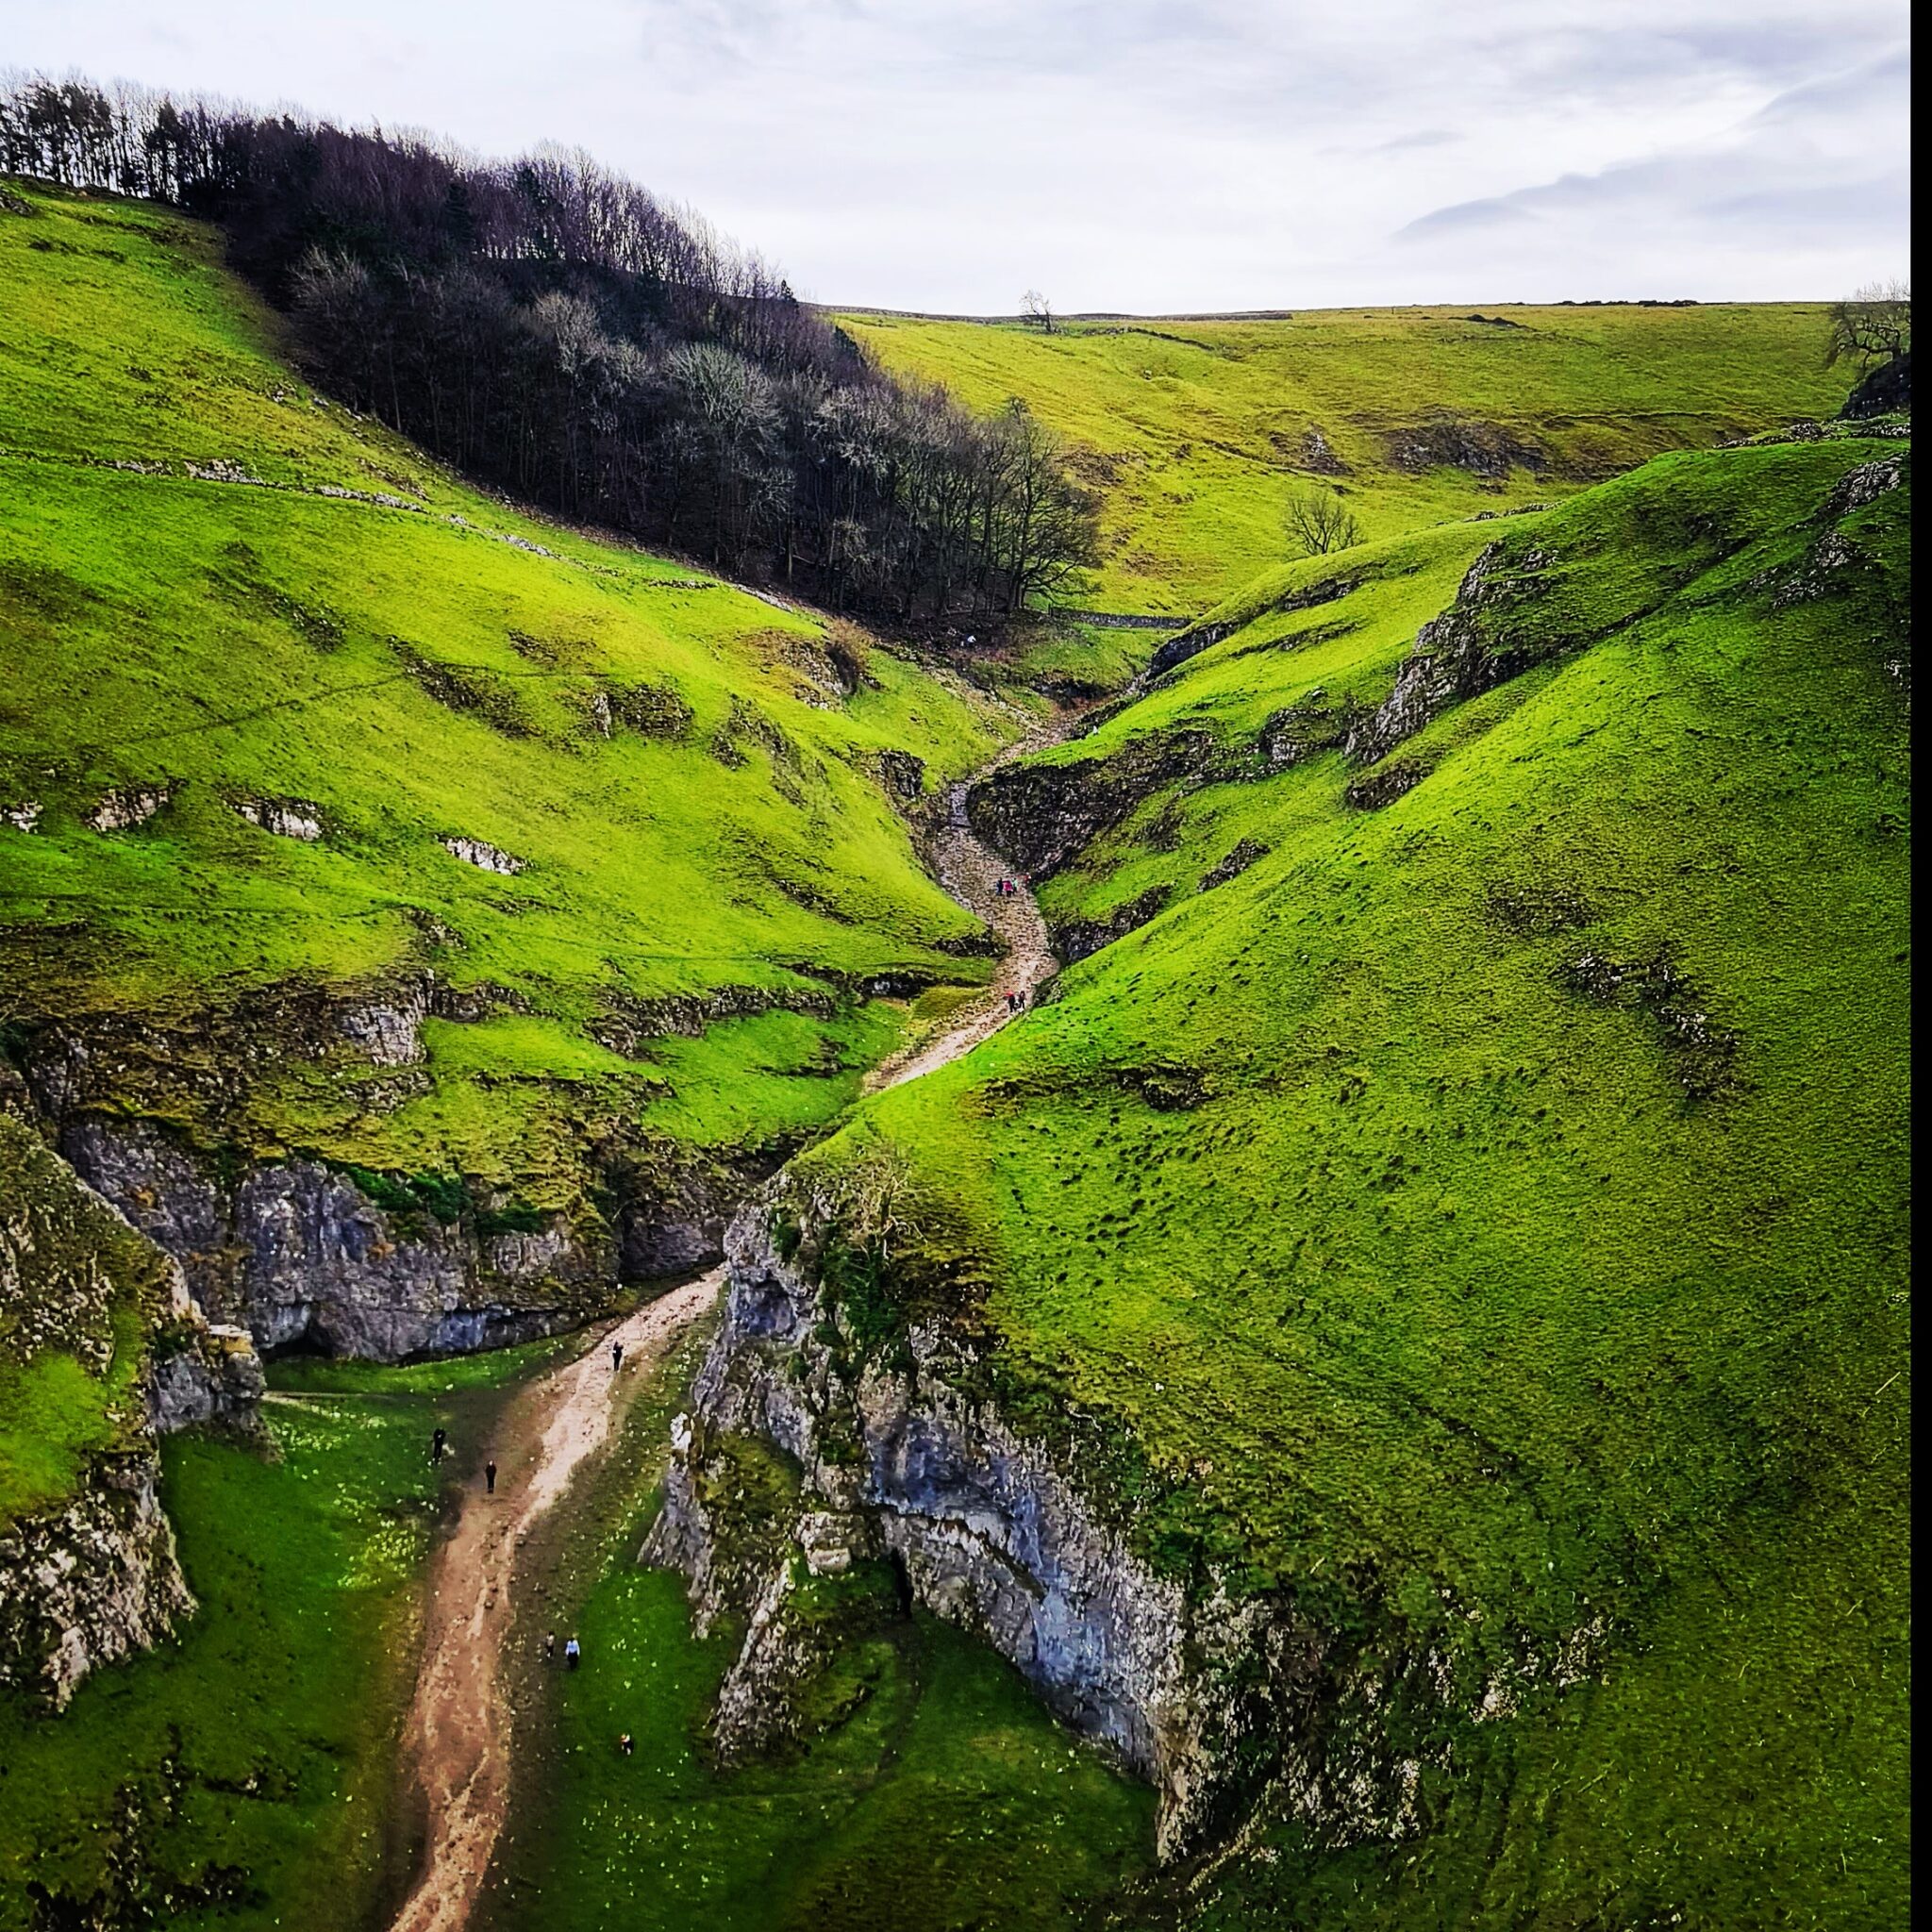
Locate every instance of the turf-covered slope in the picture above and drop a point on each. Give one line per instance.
(1478, 1227)
(1197, 429)
(350, 811)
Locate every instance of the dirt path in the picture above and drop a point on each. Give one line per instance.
(457, 1740)
(971, 872)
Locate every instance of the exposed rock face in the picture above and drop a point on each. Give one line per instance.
(90, 1574)
(1318, 454)
(1245, 853)
(119, 811)
(482, 854)
(1210, 1699)
(1386, 783)
(23, 817)
(306, 1255)
(1457, 656)
(902, 775)
(86, 1582)
(1080, 939)
(1882, 391)
(1198, 638)
(298, 1255)
(1484, 449)
(287, 818)
(1039, 816)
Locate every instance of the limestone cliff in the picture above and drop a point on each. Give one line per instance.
(98, 1324)
(896, 1455)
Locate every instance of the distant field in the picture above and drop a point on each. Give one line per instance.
(1196, 430)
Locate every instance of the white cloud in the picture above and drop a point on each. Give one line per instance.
(1142, 154)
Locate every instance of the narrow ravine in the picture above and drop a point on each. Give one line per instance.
(457, 1738)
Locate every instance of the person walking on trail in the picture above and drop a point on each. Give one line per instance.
(439, 1441)
(625, 1745)
(490, 1478)
(616, 1357)
(573, 1657)
(550, 1646)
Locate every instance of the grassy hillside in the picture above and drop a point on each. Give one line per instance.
(1483, 1217)
(1197, 430)
(322, 658)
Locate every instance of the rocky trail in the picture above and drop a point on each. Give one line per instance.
(458, 1740)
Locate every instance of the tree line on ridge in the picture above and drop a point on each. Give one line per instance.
(555, 329)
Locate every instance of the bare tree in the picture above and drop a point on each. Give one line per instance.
(1876, 321)
(1318, 520)
(1036, 311)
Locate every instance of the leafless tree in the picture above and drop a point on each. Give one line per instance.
(1874, 324)
(558, 331)
(1036, 311)
(1318, 520)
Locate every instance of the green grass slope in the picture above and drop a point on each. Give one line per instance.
(1482, 1221)
(218, 587)
(1197, 430)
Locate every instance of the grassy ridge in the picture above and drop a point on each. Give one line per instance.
(1446, 1284)
(687, 775)
(1197, 430)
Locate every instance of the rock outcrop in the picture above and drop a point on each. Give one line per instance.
(1882, 391)
(296, 1252)
(307, 1253)
(1457, 656)
(88, 1568)
(887, 1455)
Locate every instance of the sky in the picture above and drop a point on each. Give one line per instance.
(1149, 156)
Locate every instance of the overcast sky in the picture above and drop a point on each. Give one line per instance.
(1148, 154)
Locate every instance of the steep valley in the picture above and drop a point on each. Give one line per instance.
(1374, 1386)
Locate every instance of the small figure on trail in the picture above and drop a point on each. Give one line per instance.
(625, 1743)
(439, 1441)
(490, 1478)
(573, 1657)
(550, 1646)
(616, 1357)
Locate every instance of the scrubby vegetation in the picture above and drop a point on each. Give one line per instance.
(1480, 1222)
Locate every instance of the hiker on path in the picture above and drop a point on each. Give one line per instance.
(438, 1443)
(490, 1478)
(616, 1357)
(573, 1657)
(550, 1646)
(625, 1745)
